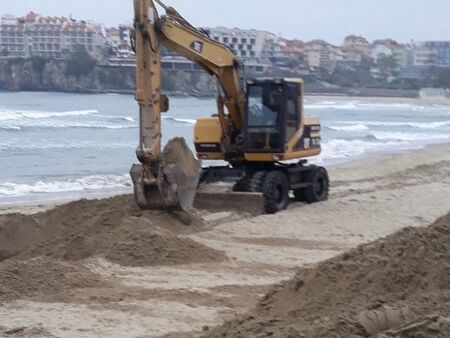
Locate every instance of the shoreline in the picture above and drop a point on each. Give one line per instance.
(47, 203)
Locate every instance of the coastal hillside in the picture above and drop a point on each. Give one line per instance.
(82, 75)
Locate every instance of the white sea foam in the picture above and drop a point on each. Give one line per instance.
(11, 128)
(404, 136)
(335, 106)
(43, 145)
(188, 121)
(88, 183)
(418, 125)
(359, 105)
(354, 127)
(118, 118)
(6, 114)
(50, 124)
(339, 148)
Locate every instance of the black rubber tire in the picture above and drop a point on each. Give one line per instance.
(257, 181)
(242, 185)
(275, 192)
(320, 185)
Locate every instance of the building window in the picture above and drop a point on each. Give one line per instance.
(234, 40)
(252, 41)
(243, 40)
(225, 40)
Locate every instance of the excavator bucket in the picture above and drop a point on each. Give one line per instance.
(175, 184)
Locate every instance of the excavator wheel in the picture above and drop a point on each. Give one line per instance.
(319, 188)
(257, 181)
(275, 191)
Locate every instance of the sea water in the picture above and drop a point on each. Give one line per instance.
(54, 144)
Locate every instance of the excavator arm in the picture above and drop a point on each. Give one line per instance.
(168, 179)
(214, 57)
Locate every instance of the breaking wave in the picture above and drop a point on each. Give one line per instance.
(65, 124)
(43, 145)
(6, 114)
(418, 125)
(340, 148)
(175, 119)
(88, 183)
(403, 136)
(355, 127)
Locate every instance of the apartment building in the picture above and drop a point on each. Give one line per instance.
(357, 43)
(51, 37)
(436, 53)
(246, 43)
(424, 57)
(12, 37)
(319, 53)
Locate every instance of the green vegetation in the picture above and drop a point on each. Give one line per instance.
(351, 76)
(80, 62)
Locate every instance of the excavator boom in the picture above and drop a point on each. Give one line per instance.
(167, 179)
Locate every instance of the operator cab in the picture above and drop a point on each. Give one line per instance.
(274, 113)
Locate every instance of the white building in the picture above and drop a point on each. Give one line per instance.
(319, 53)
(50, 37)
(357, 43)
(245, 43)
(424, 57)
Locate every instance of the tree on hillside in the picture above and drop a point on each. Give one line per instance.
(39, 63)
(80, 62)
(352, 75)
(387, 65)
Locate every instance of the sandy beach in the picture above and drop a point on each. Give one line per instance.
(102, 268)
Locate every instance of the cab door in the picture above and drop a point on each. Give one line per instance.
(292, 109)
(265, 119)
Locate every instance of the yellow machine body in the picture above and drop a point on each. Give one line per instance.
(302, 141)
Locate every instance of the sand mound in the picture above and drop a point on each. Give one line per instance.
(19, 279)
(111, 228)
(398, 286)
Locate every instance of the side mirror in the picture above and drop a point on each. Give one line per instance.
(164, 104)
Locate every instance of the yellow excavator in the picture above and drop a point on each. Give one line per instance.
(259, 129)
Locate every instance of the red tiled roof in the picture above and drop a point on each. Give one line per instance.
(31, 16)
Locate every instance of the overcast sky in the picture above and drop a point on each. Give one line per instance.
(331, 20)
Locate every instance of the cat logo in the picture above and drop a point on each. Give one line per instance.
(197, 46)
